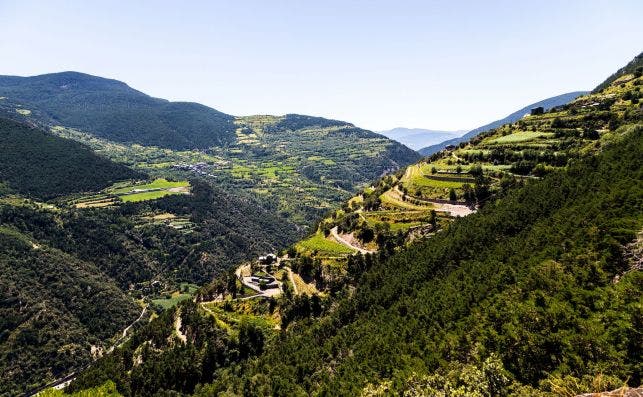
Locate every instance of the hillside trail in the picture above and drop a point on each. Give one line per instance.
(452, 209)
(292, 281)
(126, 330)
(347, 243)
(177, 328)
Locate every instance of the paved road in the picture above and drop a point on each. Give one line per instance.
(247, 281)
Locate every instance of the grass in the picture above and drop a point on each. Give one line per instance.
(414, 177)
(397, 220)
(391, 198)
(155, 194)
(323, 245)
(230, 320)
(302, 287)
(172, 301)
(404, 226)
(521, 136)
(160, 183)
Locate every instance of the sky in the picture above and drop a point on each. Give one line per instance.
(445, 65)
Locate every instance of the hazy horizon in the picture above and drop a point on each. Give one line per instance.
(446, 68)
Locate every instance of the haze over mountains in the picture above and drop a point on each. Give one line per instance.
(418, 138)
(427, 142)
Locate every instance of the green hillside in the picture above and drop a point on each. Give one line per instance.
(64, 270)
(422, 198)
(43, 166)
(633, 67)
(546, 104)
(536, 293)
(53, 308)
(112, 110)
(323, 161)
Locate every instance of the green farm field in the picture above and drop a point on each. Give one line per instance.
(323, 246)
(521, 136)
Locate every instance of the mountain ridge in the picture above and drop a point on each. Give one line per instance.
(547, 104)
(418, 138)
(112, 109)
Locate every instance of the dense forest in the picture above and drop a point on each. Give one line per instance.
(162, 357)
(53, 307)
(37, 164)
(63, 270)
(226, 230)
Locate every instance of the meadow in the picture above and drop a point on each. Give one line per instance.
(323, 246)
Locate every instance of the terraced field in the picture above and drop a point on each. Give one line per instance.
(132, 192)
(298, 166)
(231, 314)
(322, 246)
(426, 195)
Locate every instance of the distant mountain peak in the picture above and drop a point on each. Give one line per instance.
(417, 138)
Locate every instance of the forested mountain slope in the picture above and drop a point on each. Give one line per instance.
(420, 199)
(324, 161)
(513, 117)
(41, 165)
(533, 292)
(112, 110)
(53, 308)
(631, 67)
(63, 270)
(537, 293)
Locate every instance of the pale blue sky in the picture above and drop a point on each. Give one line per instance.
(378, 64)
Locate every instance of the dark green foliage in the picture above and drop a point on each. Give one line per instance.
(529, 279)
(112, 110)
(59, 272)
(154, 360)
(41, 165)
(298, 121)
(326, 160)
(227, 230)
(53, 307)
